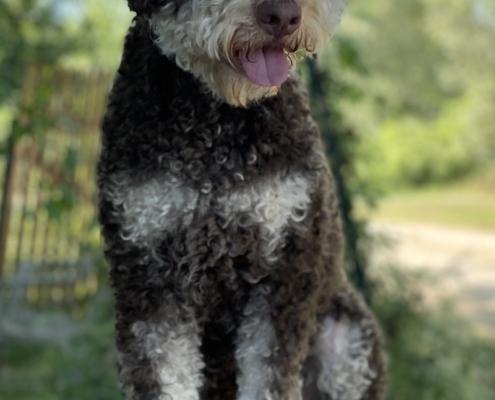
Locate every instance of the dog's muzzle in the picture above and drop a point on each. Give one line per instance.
(279, 18)
(268, 65)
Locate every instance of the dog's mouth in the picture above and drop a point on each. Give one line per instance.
(265, 66)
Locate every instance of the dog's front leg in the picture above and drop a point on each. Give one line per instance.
(159, 356)
(157, 332)
(270, 359)
(158, 337)
(255, 349)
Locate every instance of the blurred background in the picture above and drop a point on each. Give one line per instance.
(405, 98)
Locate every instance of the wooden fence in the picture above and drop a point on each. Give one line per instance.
(49, 240)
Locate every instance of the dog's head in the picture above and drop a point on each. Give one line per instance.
(242, 49)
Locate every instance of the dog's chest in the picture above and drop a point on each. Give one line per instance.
(165, 206)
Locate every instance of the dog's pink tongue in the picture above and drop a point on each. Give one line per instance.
(266, 66)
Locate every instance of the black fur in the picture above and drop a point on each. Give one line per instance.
(146, 8)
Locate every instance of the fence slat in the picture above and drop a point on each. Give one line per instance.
(48, 192)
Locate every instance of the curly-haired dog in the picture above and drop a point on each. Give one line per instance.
(219, 215)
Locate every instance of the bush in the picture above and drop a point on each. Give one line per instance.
(432, 353)
(410, 151)
(81, 370)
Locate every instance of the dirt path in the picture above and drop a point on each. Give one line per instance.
(465, 258)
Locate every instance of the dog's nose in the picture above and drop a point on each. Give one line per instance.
(279, 18)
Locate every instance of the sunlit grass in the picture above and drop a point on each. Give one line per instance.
(469, 204)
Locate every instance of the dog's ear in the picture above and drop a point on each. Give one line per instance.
(146, 8)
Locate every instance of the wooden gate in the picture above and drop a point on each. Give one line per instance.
(49, 241)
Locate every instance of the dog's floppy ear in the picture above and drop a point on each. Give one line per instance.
(147, 7)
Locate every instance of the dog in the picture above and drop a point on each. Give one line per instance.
(219, 215)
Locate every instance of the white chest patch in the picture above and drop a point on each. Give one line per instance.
(165, 204)
(273, 205)
(156, 206)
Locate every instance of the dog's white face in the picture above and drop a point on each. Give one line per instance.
(243, 49)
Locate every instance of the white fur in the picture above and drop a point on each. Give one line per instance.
(344, 348)
(256, 352)
(204, 35)
(273, 205)
(164, 204)
(175, 357)
(256, 343)
(149, 209)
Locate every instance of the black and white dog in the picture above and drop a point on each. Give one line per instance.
(219, 215)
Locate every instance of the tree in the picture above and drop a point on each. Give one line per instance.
(425, 113)
(64, 33)
(33, 33)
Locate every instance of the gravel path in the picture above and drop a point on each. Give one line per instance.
(464, 258)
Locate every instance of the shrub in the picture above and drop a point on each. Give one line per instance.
(432, 353)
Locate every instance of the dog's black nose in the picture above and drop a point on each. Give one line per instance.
(279, 18)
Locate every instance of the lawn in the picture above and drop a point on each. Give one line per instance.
(470, 204)
(448, 207)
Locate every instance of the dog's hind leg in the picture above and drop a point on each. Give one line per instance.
(156, 297)
(345, 360)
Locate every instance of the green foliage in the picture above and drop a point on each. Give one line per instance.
(103, 28)
(83, 370)
(32, 33)
(46, 372)
(425, 151)
(71, 33)
(422, 75)
(432, 353)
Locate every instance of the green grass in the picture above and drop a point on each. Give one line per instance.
(80, 369)
(449, 207)
(469, 204)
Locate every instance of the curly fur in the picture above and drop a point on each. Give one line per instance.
(203, 36)
(220, 225)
